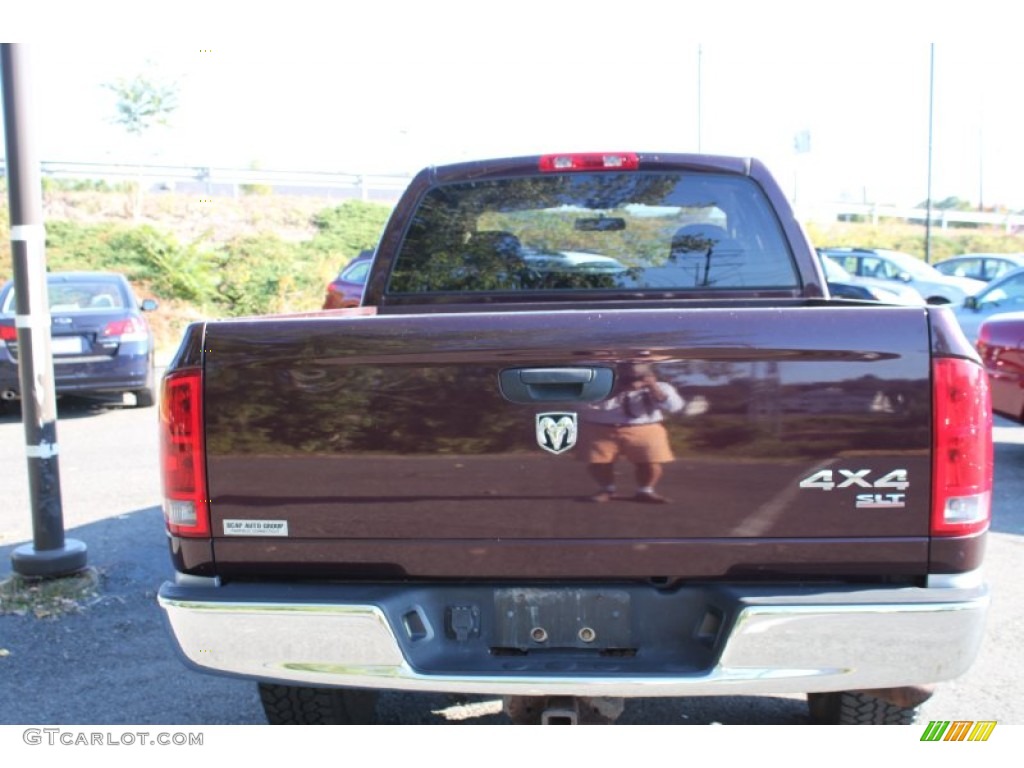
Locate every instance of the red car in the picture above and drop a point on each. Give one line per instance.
(1001, 344)
(346, 290)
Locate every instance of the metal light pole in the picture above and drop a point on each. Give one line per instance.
(49, 554)
(981, 156)
(700, 56)
(928, 202)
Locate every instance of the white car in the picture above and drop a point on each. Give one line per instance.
(884, 291)
(1003, 295)
(981, 266)
(897, 268)
(571, 261)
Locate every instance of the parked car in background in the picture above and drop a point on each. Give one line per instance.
(846, 286)
(101, 343)
(570, 262)
(897, 268)
(346, 290)
(1001, 344)
(1000, 296)
(981, 266)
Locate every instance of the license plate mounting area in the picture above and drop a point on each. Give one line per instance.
(66, 345)
(529, 619)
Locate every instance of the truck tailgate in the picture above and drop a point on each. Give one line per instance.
(388, 447)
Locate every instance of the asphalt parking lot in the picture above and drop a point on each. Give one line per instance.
(113, 663)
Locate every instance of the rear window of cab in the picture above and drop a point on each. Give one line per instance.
(636, 231)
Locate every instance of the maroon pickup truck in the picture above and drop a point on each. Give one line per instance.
(598, 431)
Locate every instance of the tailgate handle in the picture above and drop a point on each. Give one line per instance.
(543, 385)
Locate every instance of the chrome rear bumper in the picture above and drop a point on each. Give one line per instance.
(788, 642)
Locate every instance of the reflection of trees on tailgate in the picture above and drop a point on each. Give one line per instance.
(336, 409)
(374, 393)
(749, 415)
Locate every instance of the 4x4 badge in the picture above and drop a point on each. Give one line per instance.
(556, 432)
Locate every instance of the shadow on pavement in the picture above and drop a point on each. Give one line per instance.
(68, 407)
(1007, 511)
(113, 663)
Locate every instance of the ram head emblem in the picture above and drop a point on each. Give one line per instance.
(556, 432)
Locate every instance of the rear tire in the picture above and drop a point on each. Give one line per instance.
(145, 398)
(853, 708)
(295, 705)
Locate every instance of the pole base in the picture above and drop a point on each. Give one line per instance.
(26, 560)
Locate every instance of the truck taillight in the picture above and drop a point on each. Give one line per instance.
(962, 443)
(183, 455)
(590, 161)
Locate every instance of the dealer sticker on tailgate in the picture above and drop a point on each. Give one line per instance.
(255, 527)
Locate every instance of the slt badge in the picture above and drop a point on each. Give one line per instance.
(556, 432)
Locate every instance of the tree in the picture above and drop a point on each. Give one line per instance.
(952, 203)
(143, 101)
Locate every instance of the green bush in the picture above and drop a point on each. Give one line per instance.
(173, 270)
(141, 253)
(250, 275)
(70, 245)
(349, 228)
(262, 274)
(51, 184)
(257, 189)
(911, 239)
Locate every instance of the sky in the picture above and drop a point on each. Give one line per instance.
(390, 87)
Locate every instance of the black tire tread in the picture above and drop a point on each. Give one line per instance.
(297, 705)
(145, 398)
(853, 708)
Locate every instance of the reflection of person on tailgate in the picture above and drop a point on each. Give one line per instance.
(629, 423)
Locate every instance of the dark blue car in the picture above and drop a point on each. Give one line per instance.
(100, 341)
